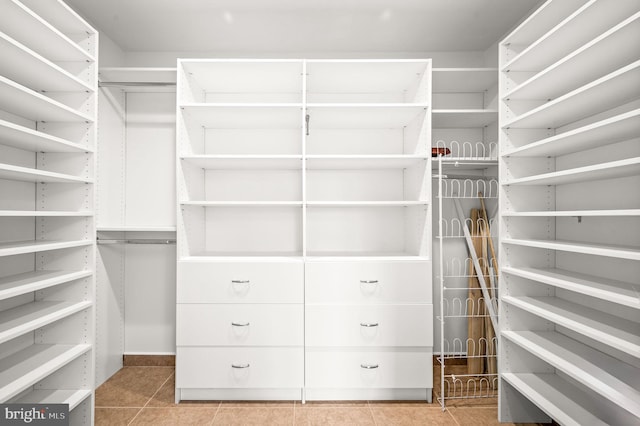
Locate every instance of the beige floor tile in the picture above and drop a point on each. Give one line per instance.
(314, 415)
(258, 415)
(412, 415)
(175, 416)
(131, 386)
(272, 404)
(165, 397)
(115, 416)
(480, 416)
(299, 404)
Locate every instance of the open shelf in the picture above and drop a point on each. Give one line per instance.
(235, 162)
(621, 252)
(138, 75)
(22, 137)
(128, 228)
(324, 256)
(15, 285)
(35, 106)
(25, 174)
(208, 256)
(362, 116)
(565, 402)
(242, 203)
(610, 170)
(22, 319)
(21, 23)
(366, 203)
(463, 80)
(608, 131)
(22, 247)
(363, 161)
(601, 94)
(43, 213)
(243, 116)
(574, 213)
(463, 118)
(602, 373)
(25, 368)
(616, 332)
(60, 16)
(61, 396)
(602, 288)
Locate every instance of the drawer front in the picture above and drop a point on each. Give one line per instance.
(240, 282)
(239, 367)
(374, 369)
(368, 282)
(239, 325)
(369, 325)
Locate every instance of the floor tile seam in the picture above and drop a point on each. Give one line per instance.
(213, 420)
(375, 422)
(453, 417)
(135, 417)
(156, 392)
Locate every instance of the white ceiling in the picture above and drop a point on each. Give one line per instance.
(250, 26)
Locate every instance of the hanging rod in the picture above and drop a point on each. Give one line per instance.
(135, 241)
(136, 83)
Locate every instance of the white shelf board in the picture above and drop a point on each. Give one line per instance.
(44, 213)
(563, 401)
(25, 174)
(619, 333)
(599, 95)
(363, 116)
(22, 319)
(28, 68)
(244, 116)
(15, 285)
(23, 369)
(463, 80)
(553, 80)
(463, 118)
(120, 228)
(601, 373)
(22, 247)
(55, 396)
(608, 131)
(617, 251)
(207, 256)
(32, 30)
(366, 203)
(358, 255)
(619, 292)
(137, 75)
(21, 137)
(60, 16)
(610, 170)
(352, 162)
(236, 162)
(35, 106)
(242, 203)
(574, 213)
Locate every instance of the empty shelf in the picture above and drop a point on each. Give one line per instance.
(364, 116)
(25, 368)
(31, 140)
(60, 15)
(131, 76)
(603, 288)
(25, 174)
(18, 284)
(621, 252)
(463, 118)
(366, 203)
(35, 106)
(22, 319)
(243, 116)
(50, 396)
(574, 213)
(463, 80)
(616, 332)
(603, 374)
(242, 203)
(22, 247)
(610, 170)
(235, 162)
(43, 213)
(352, 162)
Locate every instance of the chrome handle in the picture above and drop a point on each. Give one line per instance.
(240, 324)
(368, 281)
(368, 324)
(240, 365)
(240, 281)
(369, 366)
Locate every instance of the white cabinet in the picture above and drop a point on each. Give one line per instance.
(570, 209)
(47, 230)
(287, 168)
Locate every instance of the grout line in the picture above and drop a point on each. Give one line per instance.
(216, 414)
(375, 422)
(149, 400)
(452, 416)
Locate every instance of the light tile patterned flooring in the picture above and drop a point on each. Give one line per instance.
(145, 396)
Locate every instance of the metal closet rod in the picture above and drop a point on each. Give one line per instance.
(136, 83)
(135, 241)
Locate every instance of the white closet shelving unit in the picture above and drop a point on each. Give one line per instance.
(465, 134)
(48, 79)
(570, 215)
(295, 176)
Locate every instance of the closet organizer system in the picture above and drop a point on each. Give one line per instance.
(570, 215)
(48, 75)
(304, 229)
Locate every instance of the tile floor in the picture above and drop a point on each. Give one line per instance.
(145, 396)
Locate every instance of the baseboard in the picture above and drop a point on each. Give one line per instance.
(149, 360)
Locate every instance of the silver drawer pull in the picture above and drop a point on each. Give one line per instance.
(369, 324)
(240, 365)
(240, 324)
(368, 281)
(240, 281)
(369, 366)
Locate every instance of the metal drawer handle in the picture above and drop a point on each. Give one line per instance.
(240, 324)
(368, 281)
(240, 281)
(240, 365)
(369, 366)
(369, 324)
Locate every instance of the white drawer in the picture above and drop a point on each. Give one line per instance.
(373, 369)
(369, 325)
(239, 324)
(239, 367)
(368, 282)
(240, 282)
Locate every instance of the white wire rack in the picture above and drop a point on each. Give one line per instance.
(469, 150)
